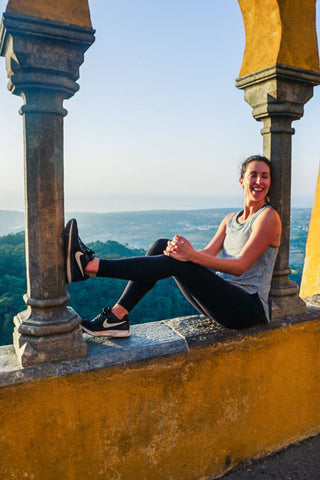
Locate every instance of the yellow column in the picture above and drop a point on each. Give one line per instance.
(75, 12)
(310, 284)
(279, 32)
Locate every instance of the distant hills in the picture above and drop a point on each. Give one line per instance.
(137, 229)
(140, 229)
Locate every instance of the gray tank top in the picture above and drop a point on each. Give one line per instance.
(257, 278)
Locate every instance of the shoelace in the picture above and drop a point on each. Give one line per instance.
(86, 250)
(102, 315)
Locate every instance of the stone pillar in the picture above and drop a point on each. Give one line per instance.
(277, 95)
(42, 60)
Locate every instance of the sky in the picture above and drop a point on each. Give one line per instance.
(158, 122)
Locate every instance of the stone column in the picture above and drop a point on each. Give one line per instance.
(277, 95)
(42, 60)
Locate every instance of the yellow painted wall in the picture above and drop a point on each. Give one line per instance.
(182, 417)
(69, 11)
(279, 31)
(310, 283)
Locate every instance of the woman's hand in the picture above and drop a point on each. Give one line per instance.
(180, 249)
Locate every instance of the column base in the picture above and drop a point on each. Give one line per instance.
(35, 345)
(286, 306)
(284, 296)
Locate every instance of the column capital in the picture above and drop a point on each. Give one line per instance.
(278, 90)
(43, 59)
(279, 71)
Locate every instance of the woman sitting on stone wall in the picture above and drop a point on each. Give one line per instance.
(236, 296)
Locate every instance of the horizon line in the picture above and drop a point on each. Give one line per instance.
(151, 210)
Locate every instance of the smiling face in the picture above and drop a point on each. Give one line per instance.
(256, 181)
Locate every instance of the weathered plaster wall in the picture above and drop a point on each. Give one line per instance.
(69, 11)
(279, 31)
(185, 416)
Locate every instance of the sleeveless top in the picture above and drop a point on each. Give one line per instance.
(257, 279)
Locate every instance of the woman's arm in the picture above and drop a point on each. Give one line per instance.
(266, 231)
(213, 248)
(215, 245)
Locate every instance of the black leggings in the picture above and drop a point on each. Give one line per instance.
(212, 296)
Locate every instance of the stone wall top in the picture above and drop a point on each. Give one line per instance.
(148, 341)
(279, 31)
(68, 11)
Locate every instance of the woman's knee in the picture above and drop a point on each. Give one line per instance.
(158, 247)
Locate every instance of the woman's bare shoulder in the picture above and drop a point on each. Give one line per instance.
(228, 217)
(269, 224)
(225, 220)
(270, 214)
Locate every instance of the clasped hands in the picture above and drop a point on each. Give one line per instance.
(179, 248)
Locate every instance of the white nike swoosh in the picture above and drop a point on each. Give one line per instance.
(78, 255)
(107, 324)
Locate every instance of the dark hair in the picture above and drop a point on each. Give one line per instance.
(256, 158)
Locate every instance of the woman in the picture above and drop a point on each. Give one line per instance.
(236, 297)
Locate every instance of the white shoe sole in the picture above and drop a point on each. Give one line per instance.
(108, 333)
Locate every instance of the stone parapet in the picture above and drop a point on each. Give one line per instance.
(180, 399)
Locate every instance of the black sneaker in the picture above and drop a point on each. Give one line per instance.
(106, 324)
(77, 254)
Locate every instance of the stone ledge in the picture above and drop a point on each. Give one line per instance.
(199, 330)
(150, 340)
(146, 341)
(152, 399)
